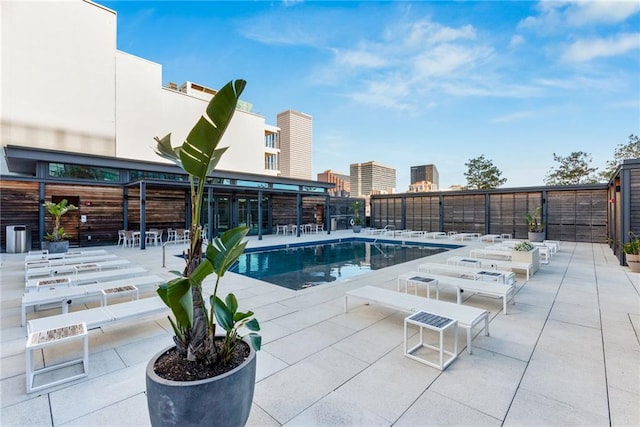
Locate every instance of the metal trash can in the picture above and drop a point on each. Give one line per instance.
(18, 239)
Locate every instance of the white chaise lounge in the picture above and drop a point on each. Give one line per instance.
(62, 295)
(467, 317)
(492, 289)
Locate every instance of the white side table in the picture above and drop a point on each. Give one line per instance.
(436, 323)
(119, 291)
(491, 276)
(52, 337)
(416, 279)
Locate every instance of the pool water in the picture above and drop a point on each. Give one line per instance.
(309, 265)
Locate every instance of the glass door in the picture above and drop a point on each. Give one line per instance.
(221, 215)
(248, 213)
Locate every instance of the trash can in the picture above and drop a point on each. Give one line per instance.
(334, 224)
(18, 239)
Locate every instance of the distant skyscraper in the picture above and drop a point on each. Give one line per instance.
(371, 177)
(296, 144)
(427, 173)
(343, 185)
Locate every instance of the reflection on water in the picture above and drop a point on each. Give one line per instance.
(302, 267)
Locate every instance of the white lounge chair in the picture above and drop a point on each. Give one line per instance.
(492, 289)
(495, 264)
(63, 295)
(467, 317)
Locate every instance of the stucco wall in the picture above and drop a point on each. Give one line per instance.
(58, 86)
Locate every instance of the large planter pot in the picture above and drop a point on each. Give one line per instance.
(634, 266)
(56, 247)
(356, 228)
(224, 400)
(536, 237)
(532, 256)
(632, 258)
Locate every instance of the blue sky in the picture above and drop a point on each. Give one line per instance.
(411, 83)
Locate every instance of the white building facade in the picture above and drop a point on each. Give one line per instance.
(65, 86)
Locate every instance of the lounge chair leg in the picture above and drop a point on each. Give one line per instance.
(469, 341)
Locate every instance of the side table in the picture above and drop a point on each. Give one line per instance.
(433, 322)
(52, 337)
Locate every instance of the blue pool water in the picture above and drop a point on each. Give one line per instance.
(302, 266)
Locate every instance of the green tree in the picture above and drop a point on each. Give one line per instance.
(574, 169)
(630, 150)
(482, 174)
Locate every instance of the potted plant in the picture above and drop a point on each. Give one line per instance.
(631, 251)
(535, 225)
(204, 379)
(356, 221)
(56, 241)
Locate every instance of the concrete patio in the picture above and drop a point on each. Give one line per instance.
(568, 352)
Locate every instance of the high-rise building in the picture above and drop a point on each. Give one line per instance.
(296, 144)
(370, 177)
(428, 173)
(342, 182)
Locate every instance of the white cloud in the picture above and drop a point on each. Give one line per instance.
(513, 117)
(586, 50)
(358, 59)
(608, 12)
(629, 103)
(445, 59)
(431, 33)
(579, 13)
(516, 41)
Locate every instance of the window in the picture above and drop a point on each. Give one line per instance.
(133, 175)
(271, 162)
(271, 140)
(63, 170)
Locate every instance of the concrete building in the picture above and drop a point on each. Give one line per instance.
(74, 91)
(79, 117)
(370, 177)
(342, 183)
(425, 173)
(296, 144)
(422, 187)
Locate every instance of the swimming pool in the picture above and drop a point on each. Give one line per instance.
(299, 266)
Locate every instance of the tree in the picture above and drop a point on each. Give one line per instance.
(574, 169)
(482, 174)
(630, 150)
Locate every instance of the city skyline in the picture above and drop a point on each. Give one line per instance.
(407, 83)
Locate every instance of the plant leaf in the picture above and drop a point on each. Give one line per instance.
(181, 301)
(224, 316)
(253, 325)
(232, 303)
(201, 272)
(163, 149)
(199, 154)
(255, 340)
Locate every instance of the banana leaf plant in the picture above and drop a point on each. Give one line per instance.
(194, 325)
(535, 224)
(57, 210)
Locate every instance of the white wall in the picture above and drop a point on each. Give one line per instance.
(65, 86)
(145, 109)
(57, 82)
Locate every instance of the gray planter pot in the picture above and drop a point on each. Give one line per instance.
(224, 400)
(356, 228)
(536, 237)
(56, 247)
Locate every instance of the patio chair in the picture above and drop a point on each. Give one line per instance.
(122, 238)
